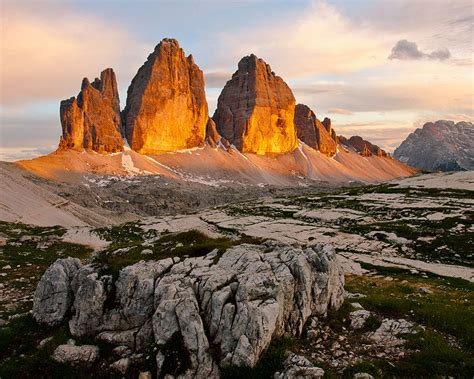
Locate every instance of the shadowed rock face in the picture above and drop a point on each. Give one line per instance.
(212, 137)
(255, 110)
(363, 147)
(92, 121)
(166, 104)
(310, 130)
(439, 146)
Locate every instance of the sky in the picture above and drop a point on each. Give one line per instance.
(377, 68)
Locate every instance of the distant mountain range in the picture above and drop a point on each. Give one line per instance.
(439, 146)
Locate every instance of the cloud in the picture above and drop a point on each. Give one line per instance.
(406, 50)
(312, 41)
(340, 111)
(19, 153)
(42, 59)
(216, 79)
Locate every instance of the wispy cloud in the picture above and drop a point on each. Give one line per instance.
(340, 111)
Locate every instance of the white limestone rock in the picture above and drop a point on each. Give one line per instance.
(76, 355)
(299, 367)
(53, 295)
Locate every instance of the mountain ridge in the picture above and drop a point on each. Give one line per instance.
(439, 146)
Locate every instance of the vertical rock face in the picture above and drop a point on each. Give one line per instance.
(255, 110)
(311, 131)
(166, 104)
(92, 121)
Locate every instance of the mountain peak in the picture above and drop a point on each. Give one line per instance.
(255, 110)
(439, 146)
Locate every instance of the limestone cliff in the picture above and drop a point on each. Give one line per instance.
(255, 110)
(92, 121)
(166, 103)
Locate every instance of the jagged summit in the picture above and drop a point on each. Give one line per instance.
(255, 110)
(316, 134)
(92, 121)
(363, 147)
(440, 146)
(166, 103)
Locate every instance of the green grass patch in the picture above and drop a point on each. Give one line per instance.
(448, 309)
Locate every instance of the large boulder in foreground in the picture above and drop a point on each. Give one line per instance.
(313, 132)
(217, 309)
(255, 110)
(166, 104)
(53, 296)
(92, 120)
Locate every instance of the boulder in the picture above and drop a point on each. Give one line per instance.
(255, 111)
(53, 296)
(312, 132)
(166, 104)
(390, 330)
(76, 355)
(358, 318)
(92, 120)
(299, 367)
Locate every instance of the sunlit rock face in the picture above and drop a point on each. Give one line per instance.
(92, 121)
(166, 104)
(255, 110)
(311, 131)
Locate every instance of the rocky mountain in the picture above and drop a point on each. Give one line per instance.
(166, 104)
(92, 121)
(255, 110)
(439, 146)
(221, 309)
(252, 139)
(319, 135)
(363, 147)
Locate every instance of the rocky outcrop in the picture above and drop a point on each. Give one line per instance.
(363, 147)
(316, 134)
(212, 137)
(92, 121)
(166, 104)
(439, 146)
(255, 110)
(218, 309)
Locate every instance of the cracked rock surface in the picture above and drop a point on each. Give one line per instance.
(225, 308)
